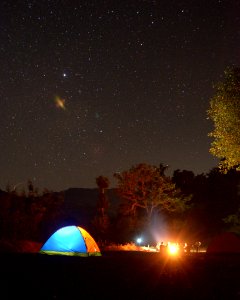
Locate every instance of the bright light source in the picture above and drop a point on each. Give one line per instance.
(139, 240)
(173, 249)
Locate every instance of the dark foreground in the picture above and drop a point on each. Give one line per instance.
(120, 275)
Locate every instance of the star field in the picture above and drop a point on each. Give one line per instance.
(89, 88)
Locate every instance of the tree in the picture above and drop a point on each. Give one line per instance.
(145, 189)
(103, 184)
(185, 180)
(29, 216)
(233, 221)
(224, 111)
(101, 220)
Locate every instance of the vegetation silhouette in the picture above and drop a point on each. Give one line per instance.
(31, 215)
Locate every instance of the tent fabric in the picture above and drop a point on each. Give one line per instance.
(71, 240)
(227, 242)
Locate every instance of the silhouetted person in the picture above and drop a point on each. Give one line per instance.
(187, 248)
(163, 248)
(197, 246)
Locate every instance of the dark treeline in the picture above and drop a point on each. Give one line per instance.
(31, 215)
(27, 215)
(216, 196)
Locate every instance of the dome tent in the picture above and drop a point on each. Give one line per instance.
(226, 242)
(71, 240)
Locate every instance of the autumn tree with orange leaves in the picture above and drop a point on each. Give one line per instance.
(146, 188)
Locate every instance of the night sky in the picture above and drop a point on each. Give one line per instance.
(91, 88)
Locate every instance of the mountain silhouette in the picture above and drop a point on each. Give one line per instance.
(80, 204)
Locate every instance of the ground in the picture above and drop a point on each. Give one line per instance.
(120, 275)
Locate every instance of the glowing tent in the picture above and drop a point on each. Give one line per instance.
(71, 240)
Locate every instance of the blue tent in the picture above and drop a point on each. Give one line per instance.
(71, 240)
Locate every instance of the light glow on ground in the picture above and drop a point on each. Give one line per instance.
(173, 248)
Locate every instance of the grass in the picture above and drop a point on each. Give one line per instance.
(120, 275)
